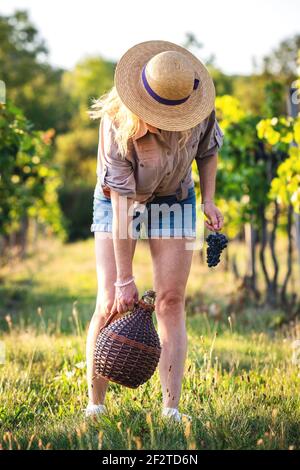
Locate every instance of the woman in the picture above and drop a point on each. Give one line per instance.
(156, 120)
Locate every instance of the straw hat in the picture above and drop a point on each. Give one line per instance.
(165, 85)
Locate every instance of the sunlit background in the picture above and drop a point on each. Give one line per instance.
(238, 34)
(55, 57)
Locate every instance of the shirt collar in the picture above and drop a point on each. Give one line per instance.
(143, 128)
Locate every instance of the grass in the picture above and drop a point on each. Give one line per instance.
(240, 384)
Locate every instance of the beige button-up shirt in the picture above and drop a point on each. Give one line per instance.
(153, 165)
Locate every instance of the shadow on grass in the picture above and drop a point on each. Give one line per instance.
(27, 308)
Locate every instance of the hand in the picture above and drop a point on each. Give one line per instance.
(215, 219)
(125, 298)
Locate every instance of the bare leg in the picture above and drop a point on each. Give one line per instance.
(106, 276)
(171, 265)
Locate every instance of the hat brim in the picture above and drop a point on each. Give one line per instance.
(130, 88)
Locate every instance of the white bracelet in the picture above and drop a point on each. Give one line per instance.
(122, 284)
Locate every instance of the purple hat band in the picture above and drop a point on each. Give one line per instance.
(160, 99)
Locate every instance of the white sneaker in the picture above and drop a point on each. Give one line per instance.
(174, 414)
(94, 410)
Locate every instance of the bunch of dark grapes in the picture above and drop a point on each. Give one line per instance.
(216, 244)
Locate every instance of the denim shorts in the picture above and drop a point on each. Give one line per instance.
(163, 217)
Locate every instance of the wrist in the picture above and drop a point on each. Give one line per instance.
(125, 282)
(122, 277)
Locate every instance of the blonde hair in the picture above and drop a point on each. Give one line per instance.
(127, 123)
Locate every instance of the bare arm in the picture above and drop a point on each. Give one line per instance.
(207, 172)
(123, 249)
(207, 168)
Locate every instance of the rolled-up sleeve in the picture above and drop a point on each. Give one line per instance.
(212, 139)
(114, 171)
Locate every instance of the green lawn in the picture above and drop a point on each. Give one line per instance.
(240, 384)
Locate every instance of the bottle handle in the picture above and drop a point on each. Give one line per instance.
(147, 302)
(113, 314)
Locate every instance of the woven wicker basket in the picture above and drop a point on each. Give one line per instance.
(128, 349)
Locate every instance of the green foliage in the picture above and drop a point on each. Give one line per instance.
(276, 132)
(76, 154)
(250, 90)
(282, 62)
(53, 98)
(76, 202)
(21, 48)
(31, 83)
(242, 174)
(90, 78)
(274, 98)
(28, 178)
(76, 150)
(229, 110)
(285, 188)
(223, 82)
(257, 162)
(279, 134)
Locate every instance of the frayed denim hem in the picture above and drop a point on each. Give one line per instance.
(153, 233)
(171, 233)
(101, 228)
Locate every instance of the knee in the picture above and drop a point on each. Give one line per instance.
(170, 302)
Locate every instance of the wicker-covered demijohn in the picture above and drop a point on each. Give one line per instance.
(128, 349)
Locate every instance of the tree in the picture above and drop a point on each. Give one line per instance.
(76, 155)
(282, 62)
(279, 134)
(22, 49)
(31, 83)
(28, 178)
(254, 155)
(90, 78)
(76, 150)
